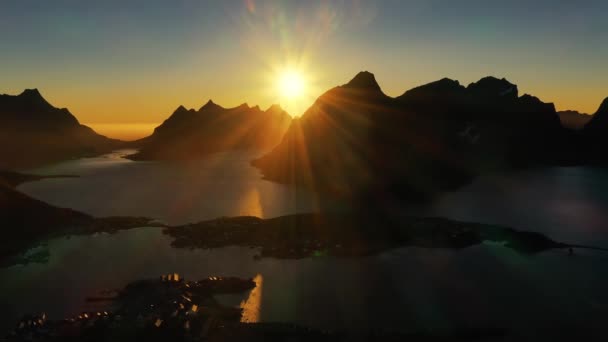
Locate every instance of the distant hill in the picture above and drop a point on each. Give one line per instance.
(33, 132)
(595, 136)
(190, 133)
(355, 139)
(573, 119)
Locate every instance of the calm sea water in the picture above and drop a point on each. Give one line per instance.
(408, 289)
(568, 204)
(224, 184)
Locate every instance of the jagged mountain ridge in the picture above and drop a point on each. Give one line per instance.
(355, 138)
(189, 133)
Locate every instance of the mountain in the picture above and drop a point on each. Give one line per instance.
(33, 132)
(190, 133)
(573, 119)
(355, 139)
(595, 136)
(597, 126)
(27, 217)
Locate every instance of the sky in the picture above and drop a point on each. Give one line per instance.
(123, 67)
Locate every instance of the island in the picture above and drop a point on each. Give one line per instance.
(349, 235)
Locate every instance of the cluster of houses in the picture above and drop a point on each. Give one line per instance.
(185, 309)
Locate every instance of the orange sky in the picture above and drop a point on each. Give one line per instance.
(131, 112)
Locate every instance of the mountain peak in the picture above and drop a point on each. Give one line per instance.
(494, 87)
(181, 108)
(30, 99)
(533, 103)
(448, 81)
(33, 96)
(210, 105)
(31, 92)
(431, 90)
(275, 107)
(363, 80)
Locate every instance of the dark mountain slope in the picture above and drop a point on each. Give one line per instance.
(355, 139)
(595, 136)
(190, 133)
(33, 132)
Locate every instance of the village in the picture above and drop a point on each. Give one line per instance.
(152, 309)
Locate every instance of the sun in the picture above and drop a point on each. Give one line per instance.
(291, 84)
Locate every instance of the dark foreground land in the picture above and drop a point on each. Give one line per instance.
(163, 309)
(172, 309)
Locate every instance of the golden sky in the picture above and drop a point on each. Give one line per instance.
(120, 71)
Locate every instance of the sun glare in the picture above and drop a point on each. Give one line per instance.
(291, 84)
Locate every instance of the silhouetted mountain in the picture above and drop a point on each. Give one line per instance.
(355, 139)
(33, 132)
(595, 136)
(365, 80)
(573, 119)
(190, 133)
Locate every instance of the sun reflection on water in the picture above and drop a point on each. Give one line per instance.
(250, 204)
(252, 305)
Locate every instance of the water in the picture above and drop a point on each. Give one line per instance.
(408, 289)
(569, 204)
(225, 184)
